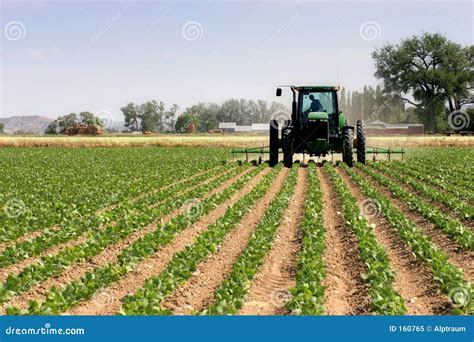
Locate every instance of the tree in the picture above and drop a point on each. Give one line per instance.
(426, 71)
(187, 123)
(170, 117)
(131, 114)
(149, 116)
(2, 126)
(88, 118)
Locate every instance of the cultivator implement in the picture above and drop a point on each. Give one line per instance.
(374, 151)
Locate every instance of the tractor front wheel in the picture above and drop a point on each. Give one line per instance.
(287, 144)
(274, 144)
(347, 145)
(360, 142)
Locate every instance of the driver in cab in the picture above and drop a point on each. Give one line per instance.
(315, 105)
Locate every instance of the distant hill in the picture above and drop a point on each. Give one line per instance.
(33, 124)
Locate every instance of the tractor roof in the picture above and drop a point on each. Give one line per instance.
(317, 88)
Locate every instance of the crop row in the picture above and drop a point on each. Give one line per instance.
(379, 275)
(452, 202)
(230, 295)
(76, 228)
(432, 177)
(148, 299)
(74, 183)
(450, 226)
(447, 165)
(58, 300)
(449, 277)
(54, 265)
(307, 297)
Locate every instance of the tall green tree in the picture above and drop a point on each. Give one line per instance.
(426, 71)
(131, 113)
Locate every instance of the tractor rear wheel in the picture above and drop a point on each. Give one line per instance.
(360, 141)
(287, 144)
(273, 143)
(347, 146)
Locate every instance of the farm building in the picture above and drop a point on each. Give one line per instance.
(227, 126)
(232, 127)
(378, 127)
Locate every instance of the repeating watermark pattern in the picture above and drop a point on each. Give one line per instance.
(192, 208)
(192, 30)
(370, 207)
(459, 297)
(103, 298)
(106, 118)
(107, 26)
(280, 297)
(14, 208)
(283, 28)
(458, 120)
(14, 30)
(376, 113)
(370, 30)
(279, 117)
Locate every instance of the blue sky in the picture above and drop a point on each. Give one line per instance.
(97, 56)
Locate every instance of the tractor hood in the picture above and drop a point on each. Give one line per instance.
(318, 116)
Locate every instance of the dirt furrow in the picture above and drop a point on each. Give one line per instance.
(270, 287)
(413, 279)
(198, 292)
(107, 255)
(107, 302)
(346, 293)
(28, 236)
(16, 268)
(441, 207)
(35, 234)
(457, 255)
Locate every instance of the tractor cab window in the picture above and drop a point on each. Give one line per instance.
(318, 102)
(321, 101)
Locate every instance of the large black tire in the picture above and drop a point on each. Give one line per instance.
(360, 141)
(347, 146)
(287, 144)
(273, 143)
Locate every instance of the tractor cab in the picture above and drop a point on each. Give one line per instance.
(316, 127)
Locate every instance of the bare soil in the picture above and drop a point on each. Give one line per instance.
(270, 287)
(413, 280)
(198, 292)
(457, 255)
(107, 255)
(110, 298)
(346, 293)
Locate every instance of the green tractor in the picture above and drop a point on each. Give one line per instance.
(316, 127)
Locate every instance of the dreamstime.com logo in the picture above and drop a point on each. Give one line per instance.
(192, 208)
(370, 30)
(103, 298)
(280, 297)
(370, 207)
(192, 30)
(46, 330)
(458, 120)
(279, 117)
(14, 30)
(459, 297)
(106, 118)
(14, 208)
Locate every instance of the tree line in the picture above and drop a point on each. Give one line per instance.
(62, 123)
(202, 117)
(422, 80)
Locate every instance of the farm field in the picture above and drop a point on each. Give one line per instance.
(212, 140)
(173, 231)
